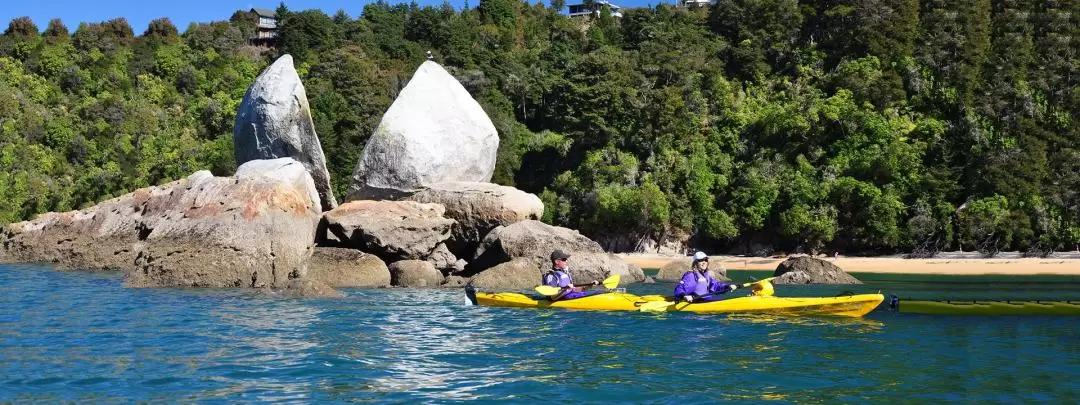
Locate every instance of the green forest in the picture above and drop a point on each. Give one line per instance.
(753, 126)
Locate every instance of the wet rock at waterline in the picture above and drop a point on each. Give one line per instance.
(304, 288)
(346, 268)
(414, 273)
(517, 274)
(274, 121)
(252, 230)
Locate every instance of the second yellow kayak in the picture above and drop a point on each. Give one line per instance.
(851, 305)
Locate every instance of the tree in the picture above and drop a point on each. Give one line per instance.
(56, 32)
(282, 12)
(956, 42)
(21, 27)
(161, 30)
(304, 32)
(245, 20)
(982, 224)
(502, 13)
(763, 34)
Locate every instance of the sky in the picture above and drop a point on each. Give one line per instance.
(140, 12)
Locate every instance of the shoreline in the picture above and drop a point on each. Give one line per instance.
(890, 264)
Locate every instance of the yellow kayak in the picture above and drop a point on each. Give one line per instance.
(851, 305)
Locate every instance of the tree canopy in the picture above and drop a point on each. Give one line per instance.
(753, 126)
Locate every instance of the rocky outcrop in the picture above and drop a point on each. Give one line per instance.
(674, 270)
(414, 273)
(809, 270)
(434, 132)
(444, 261)
(252, 230)
(478, 208)
(274, 121)
(534, 240)
(305, 288)
(345, 268)
(392, 230)
(517, 274)
(453, 281)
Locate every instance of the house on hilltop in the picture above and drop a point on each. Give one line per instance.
(593, 8)
(266, 27)
(695, 3)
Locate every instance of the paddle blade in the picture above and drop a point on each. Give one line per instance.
(547, 290)
(612, 282)
(655, 306)
(744, 285)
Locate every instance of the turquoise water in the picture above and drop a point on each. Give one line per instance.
(78, 336)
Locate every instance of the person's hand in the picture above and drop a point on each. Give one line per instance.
(688, 298)
(732, 287)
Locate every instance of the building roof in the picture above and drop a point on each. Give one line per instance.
(264, 12)
(609, 4)
(598, 3)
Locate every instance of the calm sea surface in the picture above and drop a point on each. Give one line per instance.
(79, 336)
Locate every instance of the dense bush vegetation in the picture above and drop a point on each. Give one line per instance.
(881, 126)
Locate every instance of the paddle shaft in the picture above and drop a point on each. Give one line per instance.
(743, 285)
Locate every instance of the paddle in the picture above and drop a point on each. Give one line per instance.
(660, 306)
(609, 283)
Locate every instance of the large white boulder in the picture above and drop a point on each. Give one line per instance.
(434, 132)
(274, 121)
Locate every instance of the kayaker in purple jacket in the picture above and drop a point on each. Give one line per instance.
(697, 285)
(559, 276)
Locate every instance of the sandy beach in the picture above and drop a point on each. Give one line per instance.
(944, 265)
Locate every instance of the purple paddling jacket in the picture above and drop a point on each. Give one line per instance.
(695, 283)
(557, 278)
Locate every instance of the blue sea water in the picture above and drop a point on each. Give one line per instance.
(81, 336)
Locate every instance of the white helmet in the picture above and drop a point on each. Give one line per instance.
(699, 256)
